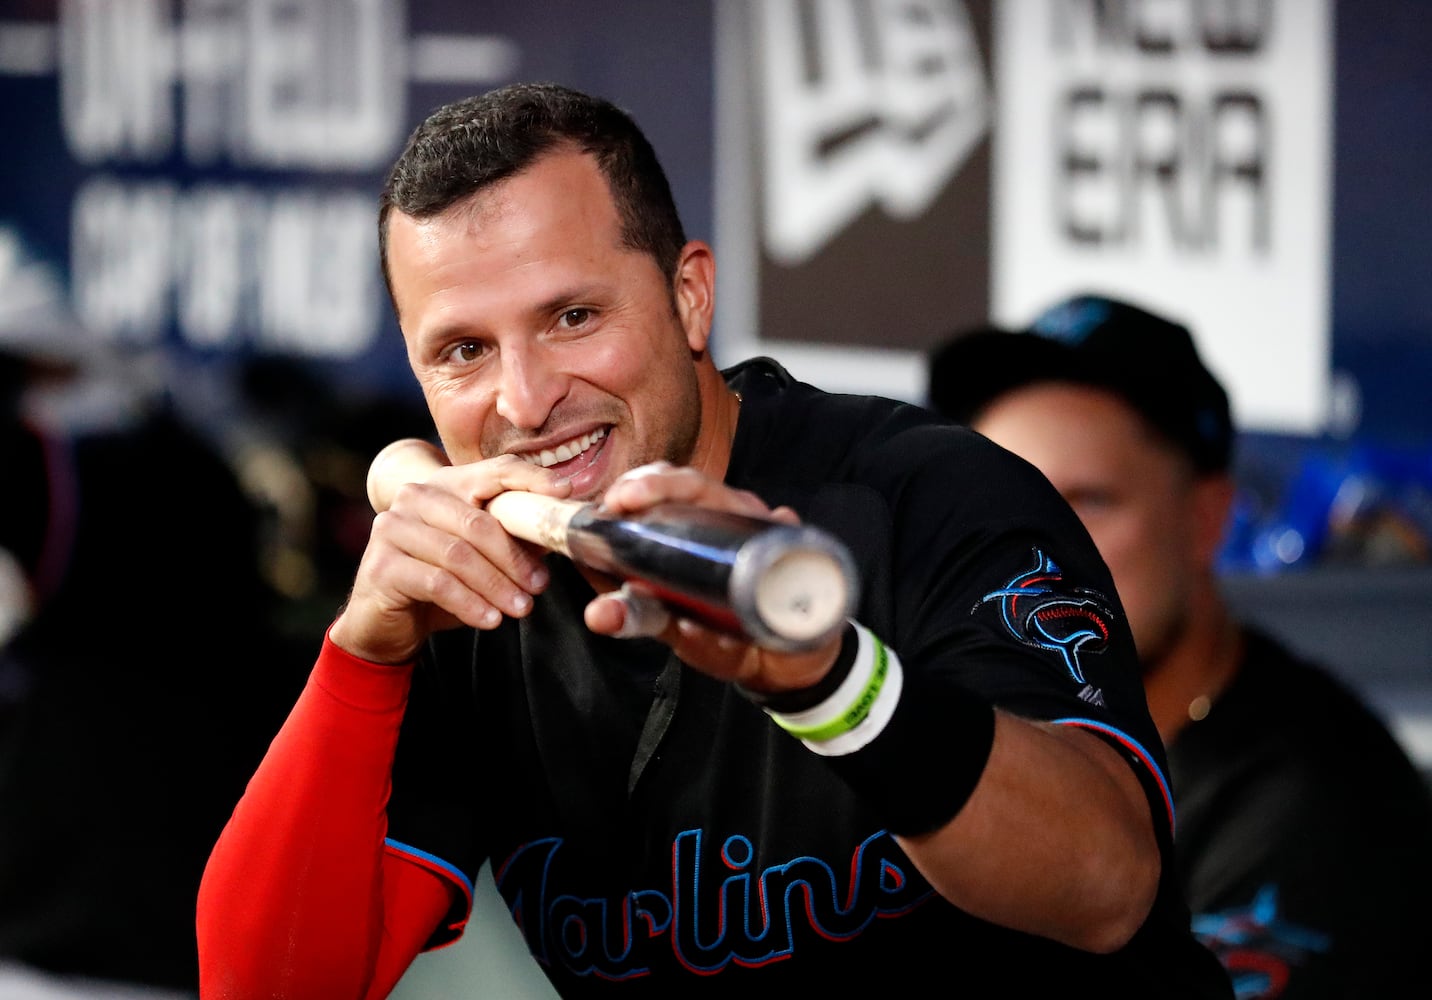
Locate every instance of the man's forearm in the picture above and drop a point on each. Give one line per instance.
(291, 900)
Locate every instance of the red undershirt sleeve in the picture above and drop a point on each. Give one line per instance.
(299, 898)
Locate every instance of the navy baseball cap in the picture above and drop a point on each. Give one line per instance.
(1147, 360)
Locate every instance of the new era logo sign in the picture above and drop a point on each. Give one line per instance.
(865, 103)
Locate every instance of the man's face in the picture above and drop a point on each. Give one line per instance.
(533, 331)
(1134, 492)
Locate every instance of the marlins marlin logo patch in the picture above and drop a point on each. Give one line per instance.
(1039, 610)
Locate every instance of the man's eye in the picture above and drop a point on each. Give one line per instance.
(468, 350)
(574, 318)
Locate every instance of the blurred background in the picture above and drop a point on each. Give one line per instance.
(187, 196)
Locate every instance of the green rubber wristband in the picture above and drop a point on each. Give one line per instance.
(852, 716)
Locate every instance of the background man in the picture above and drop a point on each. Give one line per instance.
(1303, 829)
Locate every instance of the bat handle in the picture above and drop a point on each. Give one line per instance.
(531, 517)
(409, 460)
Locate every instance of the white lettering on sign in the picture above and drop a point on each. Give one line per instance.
(118, 64)
(324, 82)
(293, 272)
(215, 270)
(1175, 153)
(207, 88)
(317, 285)
(121, 258)
(315, 84)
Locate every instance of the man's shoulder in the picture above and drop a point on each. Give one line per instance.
(1287, 676)
(783, 415)
(1311, 716)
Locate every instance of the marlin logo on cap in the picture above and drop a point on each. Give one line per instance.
(1039, 611)
(1071, 321)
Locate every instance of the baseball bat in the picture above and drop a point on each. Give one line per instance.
(785, 587)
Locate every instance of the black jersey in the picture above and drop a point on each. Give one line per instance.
(655, 834)
(1305, 836)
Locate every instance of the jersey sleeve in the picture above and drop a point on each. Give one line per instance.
(979, 575)
(1019, 607)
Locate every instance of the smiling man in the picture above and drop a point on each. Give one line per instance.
(962, 781)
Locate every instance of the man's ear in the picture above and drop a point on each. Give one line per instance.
(694, 290)
(1212, 506)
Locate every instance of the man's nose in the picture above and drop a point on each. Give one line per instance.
(529, 387)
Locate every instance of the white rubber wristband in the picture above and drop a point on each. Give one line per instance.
(859, 709)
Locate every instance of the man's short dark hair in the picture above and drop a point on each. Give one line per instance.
(469, 145)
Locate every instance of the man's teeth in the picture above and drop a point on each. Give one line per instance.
(570, 449)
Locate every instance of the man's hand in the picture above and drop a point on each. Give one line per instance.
(719, 654)
(437, 559)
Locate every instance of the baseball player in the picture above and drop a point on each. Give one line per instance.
(960, 785)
